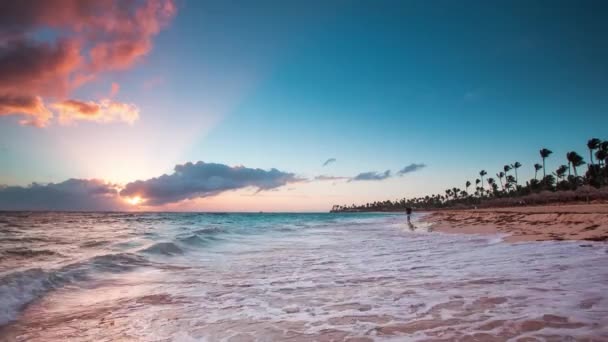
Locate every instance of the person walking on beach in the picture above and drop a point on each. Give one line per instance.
(408, 212)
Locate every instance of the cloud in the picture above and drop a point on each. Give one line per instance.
(36, 113)
(202, 179)
(369, 176)
(188, 181)
(72, 194)
(31, 68)
(377, 176)
(82, 39)
(329, 178)
(413, 167)
(104, 111)
(329, 161)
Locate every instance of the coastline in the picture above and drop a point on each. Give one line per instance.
(583, 222)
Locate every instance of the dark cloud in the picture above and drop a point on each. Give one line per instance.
(369, 176)
(88, 37)
(73, 194)
(190, 181)
(329, 161)
(413, 167)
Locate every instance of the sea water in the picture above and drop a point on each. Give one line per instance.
(289, 277)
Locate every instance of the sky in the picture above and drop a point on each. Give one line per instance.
(285, 105)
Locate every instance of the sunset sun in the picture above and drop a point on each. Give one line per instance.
(135, 200)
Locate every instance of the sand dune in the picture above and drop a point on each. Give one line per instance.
(556, 222)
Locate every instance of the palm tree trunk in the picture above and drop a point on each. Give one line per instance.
(544, 170)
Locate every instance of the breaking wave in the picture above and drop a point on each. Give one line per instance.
(18, 289)
(164, 248)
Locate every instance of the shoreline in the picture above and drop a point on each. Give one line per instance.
(580, 222)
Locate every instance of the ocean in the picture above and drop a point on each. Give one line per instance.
(289, 277)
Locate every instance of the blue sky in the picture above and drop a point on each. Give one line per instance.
(458, 86)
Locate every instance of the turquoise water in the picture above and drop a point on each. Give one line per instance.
(297, 277)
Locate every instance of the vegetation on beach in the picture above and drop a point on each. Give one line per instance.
(564, 184)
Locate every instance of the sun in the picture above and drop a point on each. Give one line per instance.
(135, 200)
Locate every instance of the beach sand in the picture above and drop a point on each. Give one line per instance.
(536, 223)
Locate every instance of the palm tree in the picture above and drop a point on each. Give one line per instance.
(549, 180)
(507, 168)
(500, 175)
(492, 183)
(561, 172)
(545, 153)
(467, 185)
(601, 156)
(516, 166)
(603, 152)
(537, 167)
(510, 180)
(482, 173)
(575, 160)
(455, 192)
(593, 144)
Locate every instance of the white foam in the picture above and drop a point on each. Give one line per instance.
(308, 281)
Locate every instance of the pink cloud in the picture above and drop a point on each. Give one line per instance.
(104, 111)
(32, 107)
(94, 36)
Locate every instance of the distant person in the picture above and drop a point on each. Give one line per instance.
(408, 212)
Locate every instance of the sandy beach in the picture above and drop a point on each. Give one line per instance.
(539, 223)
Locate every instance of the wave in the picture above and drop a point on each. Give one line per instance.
(26, 239)
(163, 248)
(94, 243)
(20, 288)
(28, 253)
(194, 240)
(209, 231)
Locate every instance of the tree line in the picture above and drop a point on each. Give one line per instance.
(507, 189)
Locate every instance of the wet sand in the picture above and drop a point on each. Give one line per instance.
(541, 223)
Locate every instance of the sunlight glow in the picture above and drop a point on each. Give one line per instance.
(135, 200)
